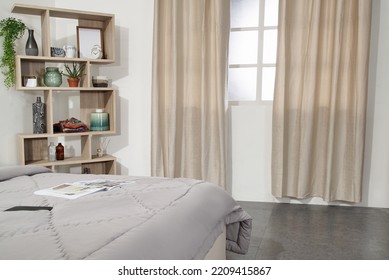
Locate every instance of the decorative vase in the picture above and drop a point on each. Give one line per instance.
(73, 82)
(52, 77)
(99, 121)
(39, 116)
(31, 45)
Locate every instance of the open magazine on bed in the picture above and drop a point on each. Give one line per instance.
(78, 189)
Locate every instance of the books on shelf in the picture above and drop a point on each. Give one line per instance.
(81, 188)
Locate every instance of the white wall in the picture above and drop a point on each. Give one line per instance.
(131, 74)
(376, 181)
(15, 107)
(251, 132)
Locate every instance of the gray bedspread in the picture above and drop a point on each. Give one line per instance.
(152, 218)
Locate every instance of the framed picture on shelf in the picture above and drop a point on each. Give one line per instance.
(89, 42)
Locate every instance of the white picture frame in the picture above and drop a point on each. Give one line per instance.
(87, 38)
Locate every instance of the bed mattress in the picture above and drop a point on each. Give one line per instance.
(150, 218)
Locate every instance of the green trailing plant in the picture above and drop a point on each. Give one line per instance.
(11, 29)
(74, 72)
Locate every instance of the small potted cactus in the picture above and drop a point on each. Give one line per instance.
(74, 73)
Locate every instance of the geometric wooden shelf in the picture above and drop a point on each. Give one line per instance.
(33, 148)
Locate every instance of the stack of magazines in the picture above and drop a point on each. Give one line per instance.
(78, 189)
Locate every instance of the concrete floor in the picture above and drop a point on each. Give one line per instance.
(312, 232)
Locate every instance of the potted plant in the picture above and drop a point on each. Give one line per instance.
(10, 29)
(74, 73)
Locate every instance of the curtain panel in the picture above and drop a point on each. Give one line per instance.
(189, 88)
(320, 99)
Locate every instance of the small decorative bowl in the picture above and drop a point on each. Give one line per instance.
(57, 52)
(30, 81)
(99, 81)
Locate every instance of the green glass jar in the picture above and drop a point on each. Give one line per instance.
(99, 120)
(52, 77)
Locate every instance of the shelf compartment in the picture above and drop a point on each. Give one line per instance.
(92, 100)
(43, 59)
(52, 135)
(60, 12)
(101, 167)
(65, 89)
(33, 150)
(36, 65)
(71, 161)
(87, 19)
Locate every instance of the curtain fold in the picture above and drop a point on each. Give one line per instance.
(188, 91)
(320, 99)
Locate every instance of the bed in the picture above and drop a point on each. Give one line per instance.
(148, 218)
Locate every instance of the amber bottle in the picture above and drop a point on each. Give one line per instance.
(60, 152)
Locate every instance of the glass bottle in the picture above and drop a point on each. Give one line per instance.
(52, 152)
(60, 152)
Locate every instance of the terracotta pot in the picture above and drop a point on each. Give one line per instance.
(73, 82)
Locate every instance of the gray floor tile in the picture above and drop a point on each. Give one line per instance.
(295, 231)
(261, 214)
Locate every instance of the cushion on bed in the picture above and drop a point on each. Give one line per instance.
(9, 172)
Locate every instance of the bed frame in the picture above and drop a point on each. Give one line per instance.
(218, 250)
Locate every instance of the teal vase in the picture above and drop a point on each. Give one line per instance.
(52, 77)
(99, 121)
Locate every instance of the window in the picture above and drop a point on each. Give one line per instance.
(253, 46)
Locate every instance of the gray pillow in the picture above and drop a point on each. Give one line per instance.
(9, 172)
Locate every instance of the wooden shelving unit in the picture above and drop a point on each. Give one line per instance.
(34, 147)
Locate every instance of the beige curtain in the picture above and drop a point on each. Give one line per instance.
(189, 85)
(320, 99)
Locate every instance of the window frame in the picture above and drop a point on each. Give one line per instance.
(261, 28)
